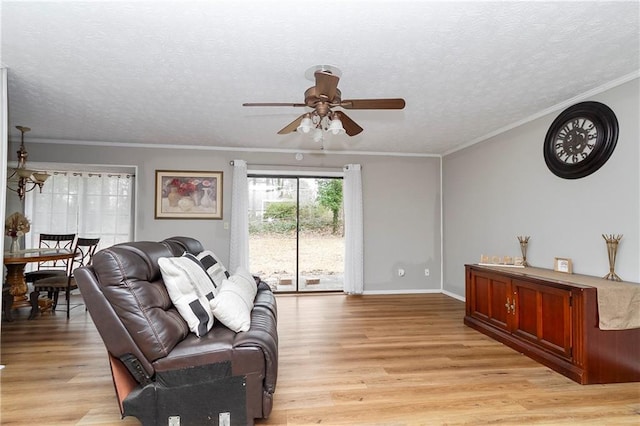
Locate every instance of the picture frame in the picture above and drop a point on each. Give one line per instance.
(188, 194)
(562, 264)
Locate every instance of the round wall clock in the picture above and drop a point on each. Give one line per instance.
(580, 140)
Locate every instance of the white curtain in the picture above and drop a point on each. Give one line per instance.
(353, 230)
(239, 244)
(90, 204)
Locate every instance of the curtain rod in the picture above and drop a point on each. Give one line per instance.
(296, 166)
(92, 174)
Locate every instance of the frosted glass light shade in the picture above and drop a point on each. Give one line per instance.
(305, 125)
(335, 127)
(40, 177)
(317, 135)
(24, 173)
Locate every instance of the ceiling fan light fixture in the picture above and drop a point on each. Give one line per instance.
(321, 99)
(305, 125)
(335, 126)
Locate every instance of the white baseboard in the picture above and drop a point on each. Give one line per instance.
(401, 291)
(455, 296)
(413, 291)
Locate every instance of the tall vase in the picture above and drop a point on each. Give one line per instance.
(207, 198)
(196, 195)
(612, 249)
(524, 242)
(15, 245)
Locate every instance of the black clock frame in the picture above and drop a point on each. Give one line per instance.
(607, 127)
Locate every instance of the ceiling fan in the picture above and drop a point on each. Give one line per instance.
(321, 98)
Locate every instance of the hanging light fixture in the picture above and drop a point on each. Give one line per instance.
(28, 179)
(320, 121)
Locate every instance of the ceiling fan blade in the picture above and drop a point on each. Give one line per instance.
(270, 104)
(291, 127)
(326, 84)
(391, 103)
(350, 126)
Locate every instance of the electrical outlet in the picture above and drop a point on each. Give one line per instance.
(226, 225)
(401, 272)
(174, 420)
(224, 419)
(426, 272)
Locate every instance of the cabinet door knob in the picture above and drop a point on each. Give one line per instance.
(508, 305)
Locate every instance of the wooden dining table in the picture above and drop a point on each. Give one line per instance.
(14, 293)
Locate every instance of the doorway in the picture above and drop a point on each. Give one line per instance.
(296, 232)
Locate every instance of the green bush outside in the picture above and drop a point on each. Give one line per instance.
(281, 218)
(285, 210)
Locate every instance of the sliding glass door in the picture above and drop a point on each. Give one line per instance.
(296, 238)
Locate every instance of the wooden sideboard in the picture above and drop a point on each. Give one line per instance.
(553, 319)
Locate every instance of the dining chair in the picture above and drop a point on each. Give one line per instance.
(84, 250)
(52, 268)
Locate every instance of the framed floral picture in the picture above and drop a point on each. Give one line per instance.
(188, 195)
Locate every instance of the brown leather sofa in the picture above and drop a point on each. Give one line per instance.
(162, 373)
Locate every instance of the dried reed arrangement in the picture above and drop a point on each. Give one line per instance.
(524, 241)
(612, 249)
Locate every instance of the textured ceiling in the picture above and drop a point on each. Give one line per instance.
(177, 72)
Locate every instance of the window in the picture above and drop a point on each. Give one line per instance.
(90, 204)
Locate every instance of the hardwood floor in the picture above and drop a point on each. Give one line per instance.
(368, 360)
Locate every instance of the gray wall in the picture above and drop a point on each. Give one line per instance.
(401, 200)
(501, 188)
(402, 225)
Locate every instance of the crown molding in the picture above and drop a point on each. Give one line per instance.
(555, 108)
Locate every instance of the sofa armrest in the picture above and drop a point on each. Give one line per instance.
(264, 335)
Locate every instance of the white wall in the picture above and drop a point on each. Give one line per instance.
(501, 188)
(401, 200)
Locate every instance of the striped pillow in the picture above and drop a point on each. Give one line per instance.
(214, 267)
(190, 289)
(203, 286)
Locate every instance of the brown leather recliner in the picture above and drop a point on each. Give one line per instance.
(163, 373)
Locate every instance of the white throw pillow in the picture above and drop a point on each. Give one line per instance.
(190, 289)
(233, 304)
(213, 266)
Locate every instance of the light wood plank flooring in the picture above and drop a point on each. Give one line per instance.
(368, 360)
